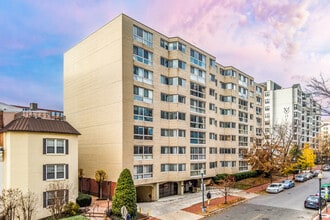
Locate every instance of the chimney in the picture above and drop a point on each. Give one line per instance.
(33, 106)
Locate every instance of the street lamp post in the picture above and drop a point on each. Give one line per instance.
(320, 176)
(203, 206)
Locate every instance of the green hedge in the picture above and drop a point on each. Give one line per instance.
(84, 200)
(238, 176)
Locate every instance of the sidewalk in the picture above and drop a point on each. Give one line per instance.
(325, 214)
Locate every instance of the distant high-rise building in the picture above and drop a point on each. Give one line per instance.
(157, 105)
(295, 108)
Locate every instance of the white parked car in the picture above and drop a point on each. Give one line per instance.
(275, 188)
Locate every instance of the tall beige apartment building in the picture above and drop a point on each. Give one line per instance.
(157, 105)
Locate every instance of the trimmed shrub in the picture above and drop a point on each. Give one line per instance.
(238, 176)
(71, 209)
(83, 200)
(125, 195)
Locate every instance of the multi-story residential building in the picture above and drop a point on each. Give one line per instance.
(39, 156)
(157, 105)
(295, 108)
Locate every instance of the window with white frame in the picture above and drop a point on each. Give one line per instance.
(172, 167)
(197, 153)
(177, 46)
(142, 94)
(213, 150)
(173, 63)
(172, 132)
(55, 171)
(195, 169)
(213, 136)
(197, 106)
(143, 171)
(242, 165)
(142, 75)
(197, 90)
(143, 133)
(142, 36)
(213, 165)
(172, 98)
(197, 75)
(197, 121)
(197, 58)
(142, 55)
(197, 137)
(242, 80)
(173, 115)
(142, 152)
(54, 197)
(55, 146)
(175, 81)
(142, 113)
(173, 150)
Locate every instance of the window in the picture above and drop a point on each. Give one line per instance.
(197, 137)
(197, 90)
(197, 75)
(172, 132)
(227, 99)
(142, 94)
(227, 137)
(242, 141)
(142, 36)
(55, 197)
(242, 92)
(177, 46)
(227, 124)
(142, 55)
(143, 172)
(197, 106)
(172, 98)
(195, 169)
(228, 163)
(175, 81)
(173, 63)
(258, 90)
(55, 146)
(243, 116)
(172, 150)
(142, 75)
(197, 121)
(173, 115)
(242, 80)
(172, 167)
(55, 171)
(212, 92)
(213, 136)
(213, 150)
(142, 113)
(243, 165)
(197, 58)
(227, 111)
(142, 152)
(227, 150)
(212, 107)
(213, 165)
(228, 73)
(164, 44)
(229, 86)
(212, 62)
(213, 121)
(143, 133)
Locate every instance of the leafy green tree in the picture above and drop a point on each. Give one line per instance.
(307, 158)
(125, 194)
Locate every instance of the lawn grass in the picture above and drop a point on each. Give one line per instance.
(251, 182)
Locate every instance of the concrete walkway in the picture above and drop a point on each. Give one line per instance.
(170, 208)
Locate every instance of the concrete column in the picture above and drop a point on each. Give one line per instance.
(156, 191)
(181, 188)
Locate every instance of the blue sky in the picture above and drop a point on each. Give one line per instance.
(283, 40)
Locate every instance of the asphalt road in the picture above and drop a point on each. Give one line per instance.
(288, 204)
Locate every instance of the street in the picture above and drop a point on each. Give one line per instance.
(288, 204)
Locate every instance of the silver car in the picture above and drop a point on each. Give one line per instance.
(275, 188)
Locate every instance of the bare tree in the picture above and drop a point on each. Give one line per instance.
(320, 88)
(9, 203)
(27, 205)
(57, 198)
(226, 185)
(100, 176)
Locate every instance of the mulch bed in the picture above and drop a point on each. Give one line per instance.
(215, 204)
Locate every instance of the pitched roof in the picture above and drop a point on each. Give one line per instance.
(40, 125)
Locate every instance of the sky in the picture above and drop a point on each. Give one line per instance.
(287, 41)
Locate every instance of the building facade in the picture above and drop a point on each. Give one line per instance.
(40, 156)
(295, 108)
(159, 106)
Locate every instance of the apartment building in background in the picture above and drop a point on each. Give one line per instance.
(159, 106)
(295, 108)
(38, 155)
